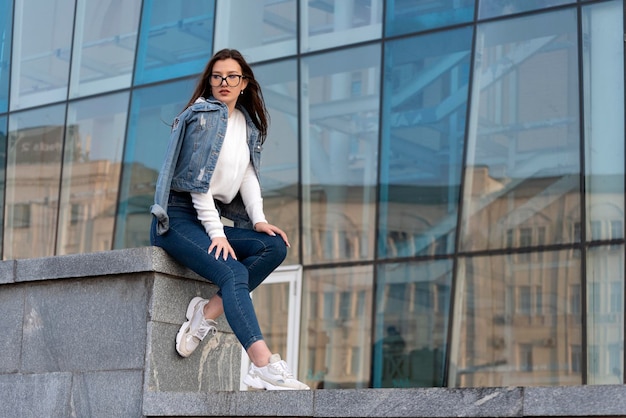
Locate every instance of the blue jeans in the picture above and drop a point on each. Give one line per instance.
(258, 254)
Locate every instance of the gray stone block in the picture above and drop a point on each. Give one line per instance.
(290, 403)
(241, 404)
(11, 316)
(216, 404)
(426, 402)
(171, 296)
(85, 325)
(107, 394)
(132, 260)
(7, 271)
(84, 265)
(35, 395)
(575, 401)
(214, 366)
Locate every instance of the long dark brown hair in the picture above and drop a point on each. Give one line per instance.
(251, 99)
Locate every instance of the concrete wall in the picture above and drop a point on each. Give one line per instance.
(92, 335)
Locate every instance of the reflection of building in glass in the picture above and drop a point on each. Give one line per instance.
(33, 212)
(450, 176)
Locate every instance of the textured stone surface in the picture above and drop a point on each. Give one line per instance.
(427, 402)
(11, 310)
(107, 394)
(85, 325)
(199, 404)
(608, 400)
(170, 297)
(239, 404)
(7, 271)
(127, 261)
(214, 366)
(276, 403)
(35, 395)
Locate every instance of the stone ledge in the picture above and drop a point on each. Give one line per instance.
(575, 401)
(105, 263)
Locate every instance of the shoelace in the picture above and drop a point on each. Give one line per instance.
(205, 328)
(281, 368)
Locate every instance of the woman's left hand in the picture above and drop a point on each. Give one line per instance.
(272, 230)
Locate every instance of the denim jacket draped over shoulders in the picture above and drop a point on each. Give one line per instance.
(194, 146)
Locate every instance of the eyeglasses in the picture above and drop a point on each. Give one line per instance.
(232, 80)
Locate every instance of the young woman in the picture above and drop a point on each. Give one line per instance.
(211, 170)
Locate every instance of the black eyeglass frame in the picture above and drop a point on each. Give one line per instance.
(228, 79)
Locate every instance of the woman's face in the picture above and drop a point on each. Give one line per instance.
(224, 92)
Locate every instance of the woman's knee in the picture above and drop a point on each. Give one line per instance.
(278, 248)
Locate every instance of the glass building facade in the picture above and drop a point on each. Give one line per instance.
(450, 172)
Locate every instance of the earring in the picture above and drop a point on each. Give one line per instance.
(241, 92)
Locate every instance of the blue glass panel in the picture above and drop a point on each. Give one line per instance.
(260, 30)
(603, 77)
(6, 29)
(408, 16)
(491, 8)
(332, 23)
(40, 64)
(424, 107)
(340, 103)
(411, 327)
(105, 38)
(176, 39)
(522, 182)
(279, 168)
(605, 315)
(518, 321)
(33, 175)
(151, 113)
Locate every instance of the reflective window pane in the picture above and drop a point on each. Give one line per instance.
(336, 330)
(279, 160)
(491, 8)
(3, 155)
(40, 64)
(424, 107)
(91, 173)
(603, 78)
(340, 102)
(274, 322)
(605, 315)
(327, 24)
(518, 321)
(261, 30)
(32, 182)
(152, 110)
(6, 30)
(408, 16)
(105, 38)
(412, 306)
(176, 39)
(523, 165)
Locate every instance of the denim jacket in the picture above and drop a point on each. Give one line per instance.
(195, 142)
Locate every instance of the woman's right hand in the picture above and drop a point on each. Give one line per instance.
(222, 246)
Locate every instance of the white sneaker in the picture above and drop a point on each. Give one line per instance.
(195, 329)
(275, 376)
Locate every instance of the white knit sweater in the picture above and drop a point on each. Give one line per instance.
(233, 173)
